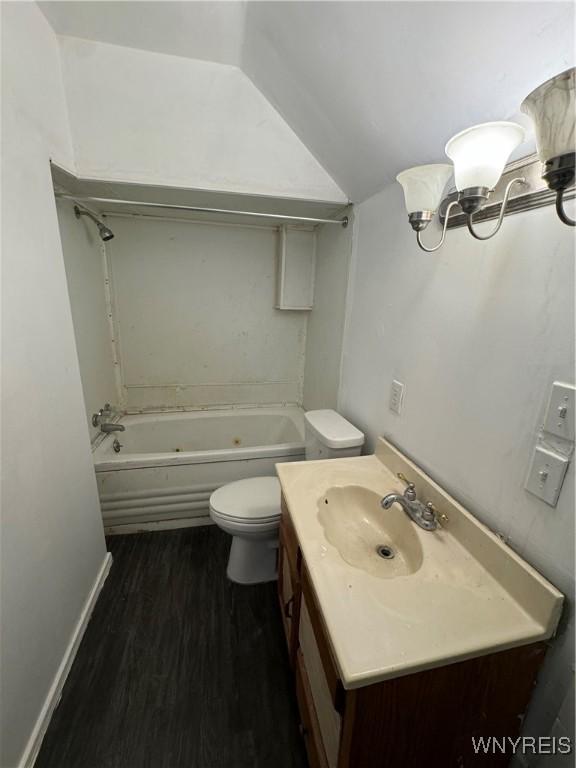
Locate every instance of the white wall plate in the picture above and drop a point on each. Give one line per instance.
(546, 475)
(559, 420)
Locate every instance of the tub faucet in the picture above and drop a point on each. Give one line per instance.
(103, 414)
(107, 427)
(424, 515)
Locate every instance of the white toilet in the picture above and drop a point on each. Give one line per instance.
(249, 510)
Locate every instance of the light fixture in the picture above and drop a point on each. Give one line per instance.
(479, 155)
(423, 186)
(551, 106)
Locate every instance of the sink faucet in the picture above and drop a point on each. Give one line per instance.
(424, 515)
(107, 427)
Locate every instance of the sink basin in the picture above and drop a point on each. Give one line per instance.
(382, 542)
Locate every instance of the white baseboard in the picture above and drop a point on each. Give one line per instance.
(32, 748)
(157, 525)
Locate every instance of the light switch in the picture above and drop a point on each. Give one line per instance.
(396, 396)
(546, 475)
(559, 419)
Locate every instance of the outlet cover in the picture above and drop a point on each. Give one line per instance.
(396, 396)
(546, 475)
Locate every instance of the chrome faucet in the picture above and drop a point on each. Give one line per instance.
(104, 414)
(102, 420)
(108, 427)
(424, 515)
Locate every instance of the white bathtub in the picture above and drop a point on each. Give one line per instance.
(170, 463)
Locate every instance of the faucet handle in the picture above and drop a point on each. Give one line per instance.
(410, 490)
(431, 513)
(96, 417)
(102, 415)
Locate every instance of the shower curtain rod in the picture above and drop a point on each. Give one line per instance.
(197, 209)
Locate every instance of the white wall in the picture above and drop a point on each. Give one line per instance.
(325, 330)
(83, 260)
(196, 322)
(52, 540)
(477, 332)
(159, 119)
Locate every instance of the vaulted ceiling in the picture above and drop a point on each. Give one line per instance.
(211, 31)
(370, 87)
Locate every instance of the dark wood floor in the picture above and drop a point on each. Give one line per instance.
(179, 668)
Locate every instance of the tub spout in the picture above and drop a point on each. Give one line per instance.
(107, 428)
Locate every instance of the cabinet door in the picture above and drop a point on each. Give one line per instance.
(286, 595)
(309, 720)
(289, 597)
(329, 720)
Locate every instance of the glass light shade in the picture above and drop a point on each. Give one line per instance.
(480, 153)
(423, 186)
(551, 107)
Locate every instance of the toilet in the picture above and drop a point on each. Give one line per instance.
(249, 510)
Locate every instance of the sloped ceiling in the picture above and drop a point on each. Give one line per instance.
(375, 87)
(370, 87)
(211, 31)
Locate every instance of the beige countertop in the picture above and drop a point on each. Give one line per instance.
(471, 595)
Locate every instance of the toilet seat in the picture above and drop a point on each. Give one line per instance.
(254, 500)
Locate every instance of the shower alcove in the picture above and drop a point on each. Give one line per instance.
(197, 312)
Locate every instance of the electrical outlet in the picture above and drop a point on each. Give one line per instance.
(396, 396)
(546, 475)
(559, 419)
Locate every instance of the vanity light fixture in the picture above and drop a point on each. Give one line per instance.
(479, 155)
(551, 106)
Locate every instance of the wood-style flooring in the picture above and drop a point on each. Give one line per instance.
(179, 668)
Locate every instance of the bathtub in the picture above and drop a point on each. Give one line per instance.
(170, 463)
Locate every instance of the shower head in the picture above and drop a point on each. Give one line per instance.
(104, 231)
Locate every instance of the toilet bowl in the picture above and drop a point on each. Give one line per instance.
(249, 510)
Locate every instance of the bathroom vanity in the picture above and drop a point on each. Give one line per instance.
(399, 661)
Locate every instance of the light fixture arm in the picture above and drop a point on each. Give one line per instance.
(469, 222)
(562, 215)
(439, 245)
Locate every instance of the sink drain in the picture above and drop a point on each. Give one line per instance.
(385, 551)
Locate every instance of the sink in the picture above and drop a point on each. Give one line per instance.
(447, 595)
(382, 542)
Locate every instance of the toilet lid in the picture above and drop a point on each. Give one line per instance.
(257, 498)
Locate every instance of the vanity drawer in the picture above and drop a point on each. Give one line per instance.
(329, 719)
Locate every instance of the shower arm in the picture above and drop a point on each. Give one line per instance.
(82, 210)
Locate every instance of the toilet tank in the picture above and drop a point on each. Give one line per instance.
(330, 436)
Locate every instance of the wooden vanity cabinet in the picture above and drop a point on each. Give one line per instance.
(423, 720)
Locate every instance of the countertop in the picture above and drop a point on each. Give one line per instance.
(471, 596)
